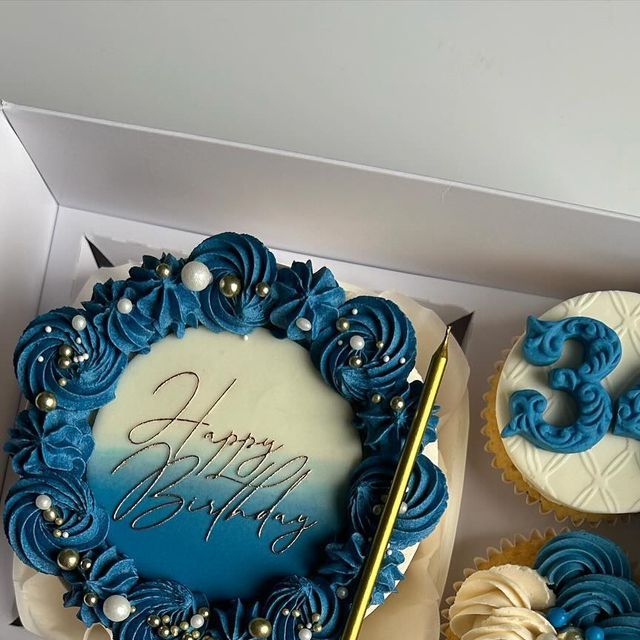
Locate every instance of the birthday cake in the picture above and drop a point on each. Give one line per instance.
(567, 407)
(208, 445)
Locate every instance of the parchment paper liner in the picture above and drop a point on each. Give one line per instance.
(511, 474)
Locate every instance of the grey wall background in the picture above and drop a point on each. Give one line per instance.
(539, 98)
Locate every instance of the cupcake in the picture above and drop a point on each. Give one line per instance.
(562, 415)
(571, 586)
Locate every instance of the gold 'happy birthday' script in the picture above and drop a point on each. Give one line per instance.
(259, 475)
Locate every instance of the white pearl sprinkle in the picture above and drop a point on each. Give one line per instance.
(40, 358)
(245, 337)
(125, 305)
(65, 534)
(303, 324)
(305, 634)
(76, 359)
(403, 508)
(196, 276)
(385, 358)
(356, 342)
(342, 592)
(403, 360)
(389, 552)
(197, 621)
(86, 356)
(354, 312)
(47, 329)
(43, 502)
(340, 343)
(308, 625)
(116, 608)
(79, 323)
(79, 340)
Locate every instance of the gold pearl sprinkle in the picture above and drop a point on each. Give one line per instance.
(57, 533)
(163, 270)
(86, 564)
(50, 515)
(296, 613)
(263, 289)
(153, 621)
(230, 286)
(184, 625)
(342, 324)
(397, 404)
(317, 627)
(379, 344)
(260, 628)
(356, 362)
(204, 612)
(90, 599)
(175, 630)
(315, 617)
(59, 521)
(65, 350)
(68, 559)
(166, 618)
(46, 401)
(376, 398)
(195, 634)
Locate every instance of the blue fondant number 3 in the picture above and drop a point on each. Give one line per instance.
(542, 346)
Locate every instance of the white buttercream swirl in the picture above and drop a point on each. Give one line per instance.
(502, 603)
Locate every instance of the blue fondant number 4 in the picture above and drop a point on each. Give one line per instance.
(542, 346)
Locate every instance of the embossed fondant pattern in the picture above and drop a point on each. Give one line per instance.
(603, 479)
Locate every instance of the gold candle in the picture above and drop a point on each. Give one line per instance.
(410, 452)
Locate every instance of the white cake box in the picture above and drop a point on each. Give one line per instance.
(66, 180)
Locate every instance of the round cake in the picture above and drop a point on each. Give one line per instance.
(566, 404)
(209, 444)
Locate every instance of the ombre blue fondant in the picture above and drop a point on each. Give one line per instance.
(542, 346)
(40, 441)
(300, 293)
(49, 450)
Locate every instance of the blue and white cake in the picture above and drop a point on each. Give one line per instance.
(208, 447)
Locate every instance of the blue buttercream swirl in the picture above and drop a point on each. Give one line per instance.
(384, 368)
(345, 561)
(623, 627)
(426, 498)
(579, 553)
(308, 596)
(90, 384)
(386, 430)
(232, 622)
(157, 597)
(58, 440)
(167, 304)
(588, 600)
(129, 332)
(110, 574)
(247, 258)
(31, 537)
(298, 292)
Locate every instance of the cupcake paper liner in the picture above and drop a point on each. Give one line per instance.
(511, 474)
(521, 550)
